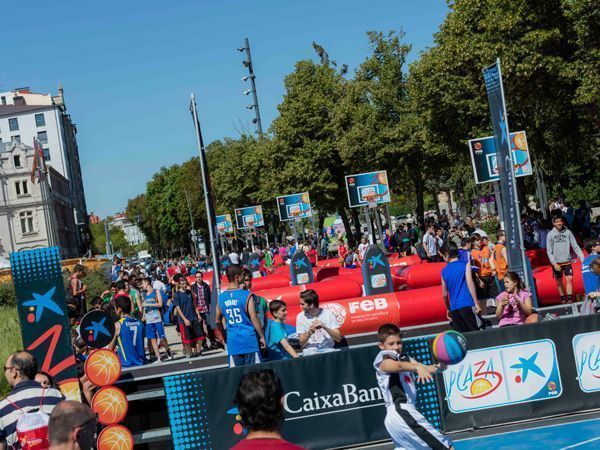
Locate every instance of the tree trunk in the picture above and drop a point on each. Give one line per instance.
(449, 196)
(356, 220)
(346, 222)
(435, 202)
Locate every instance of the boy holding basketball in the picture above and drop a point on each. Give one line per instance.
(397, 375)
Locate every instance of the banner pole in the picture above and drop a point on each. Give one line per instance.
(369, 225)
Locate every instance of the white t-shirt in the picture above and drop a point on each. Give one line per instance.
(235, 258)
(159, 286)
(362, 248)
(320, 341)
(404, 382)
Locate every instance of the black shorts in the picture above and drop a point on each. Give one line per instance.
(489, 289)
(567, 269)
(191, 334)
(465, 319)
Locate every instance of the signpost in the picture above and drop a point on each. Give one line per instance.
(508, 187)
(369, 190)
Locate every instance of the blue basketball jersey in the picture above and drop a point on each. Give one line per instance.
(241, 337)
(130, 343)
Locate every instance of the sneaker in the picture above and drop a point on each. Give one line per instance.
(157, 361)
(169, 355)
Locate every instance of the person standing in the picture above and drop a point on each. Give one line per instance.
(430, 243)
(237, 319)
(190, 326)
(152, 304)
(201, 294)
(26, 396)
(72, 426)
(128, 339)
(559, 243)
(458, 291)
(589, 269)
(78, 290)
(362, 248)
(500, 259)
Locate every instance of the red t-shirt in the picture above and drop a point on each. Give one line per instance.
(270, 444)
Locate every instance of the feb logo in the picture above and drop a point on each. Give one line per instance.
(478, 148)
(351, 180)
(586, 348)
(338, 311)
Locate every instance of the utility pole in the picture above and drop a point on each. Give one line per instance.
(193, 236)
(248, 63)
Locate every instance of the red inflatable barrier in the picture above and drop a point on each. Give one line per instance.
(272, 281)
(538, 257)
(547, 291)
(326, 292)
(355, 276)
(419, 276)
(333, 262)
(367, 314)
(406, 261)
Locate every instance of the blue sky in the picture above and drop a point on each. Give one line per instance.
(128, 69)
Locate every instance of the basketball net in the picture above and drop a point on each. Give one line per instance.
(371, 200)
(296, 215)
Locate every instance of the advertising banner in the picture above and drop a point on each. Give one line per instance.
(254, 265)
(377, 278)
(224, 224)
(249, 216)
(331, 400)
(294, 206)
(300, 269)
(522, 373)
(508, 189)
(485, 160)
(43, 314)
(363, 185)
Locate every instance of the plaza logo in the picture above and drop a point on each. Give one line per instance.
(295, 402)
(586, 348)
(378, 280)
(503, 375)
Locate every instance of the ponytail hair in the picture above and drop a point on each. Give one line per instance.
(514, 277)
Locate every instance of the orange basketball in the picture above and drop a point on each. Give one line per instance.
(103, 367)
(110, 405)
(305, 198)
(382, 178)
(115, 437)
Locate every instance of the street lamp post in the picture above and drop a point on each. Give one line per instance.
(248, 63)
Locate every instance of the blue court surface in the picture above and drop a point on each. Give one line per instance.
(583, 435)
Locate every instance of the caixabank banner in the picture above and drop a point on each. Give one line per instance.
(331, 400)
(523, 372)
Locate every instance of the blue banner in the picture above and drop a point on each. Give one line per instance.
(376, 272)
(508, 189)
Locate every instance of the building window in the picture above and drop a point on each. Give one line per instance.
(13, 124)
(26, 222)
(43, 137)
(40, 121)
(15, 138)
(21, 188)
(46, 153)
(3, 100)
(17, 161)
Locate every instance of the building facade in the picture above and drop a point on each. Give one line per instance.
(24, 116)
(29, 216)
(132, 232)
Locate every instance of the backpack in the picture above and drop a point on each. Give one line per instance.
(32, 427)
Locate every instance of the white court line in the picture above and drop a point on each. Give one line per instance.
(581, 443)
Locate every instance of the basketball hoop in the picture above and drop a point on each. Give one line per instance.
(296, 215)
(250, 223)
(372, 200)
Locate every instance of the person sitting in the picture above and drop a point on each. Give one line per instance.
(72, 426)
(514, 306)
(318, 328)
(276, 334)
(259, 399)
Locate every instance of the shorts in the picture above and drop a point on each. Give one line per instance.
(567, 269)
(191, 334)
(155, 329)
(410, 430)
(465, 319)
(489, 289)
(245, 359)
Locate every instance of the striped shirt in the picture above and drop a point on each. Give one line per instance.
(28, 396)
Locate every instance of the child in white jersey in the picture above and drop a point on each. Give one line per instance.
(397, 375)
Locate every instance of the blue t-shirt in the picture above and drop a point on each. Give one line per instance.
(591, 281)
(186, 305)
(456, 283)
(464, 255)
(130, 343)
(241, 337)
(274, 334)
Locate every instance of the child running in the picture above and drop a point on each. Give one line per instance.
(397, 374)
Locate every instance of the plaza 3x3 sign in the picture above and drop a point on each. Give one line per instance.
(503, 375)
(586, 348)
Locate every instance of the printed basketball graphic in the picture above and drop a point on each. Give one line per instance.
(520, 141)
(110, 405)
(305, 198)
(70, 389)
(115, 437)
(382, 178)
(103, 367)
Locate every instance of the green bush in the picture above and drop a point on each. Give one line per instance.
(10, 330)
(7, 294)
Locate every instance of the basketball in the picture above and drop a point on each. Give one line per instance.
(449, 347)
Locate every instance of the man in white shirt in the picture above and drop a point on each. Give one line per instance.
(234, 258)
(317, 328)
(362, 248)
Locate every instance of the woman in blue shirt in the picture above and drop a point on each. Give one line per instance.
(276, 335)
